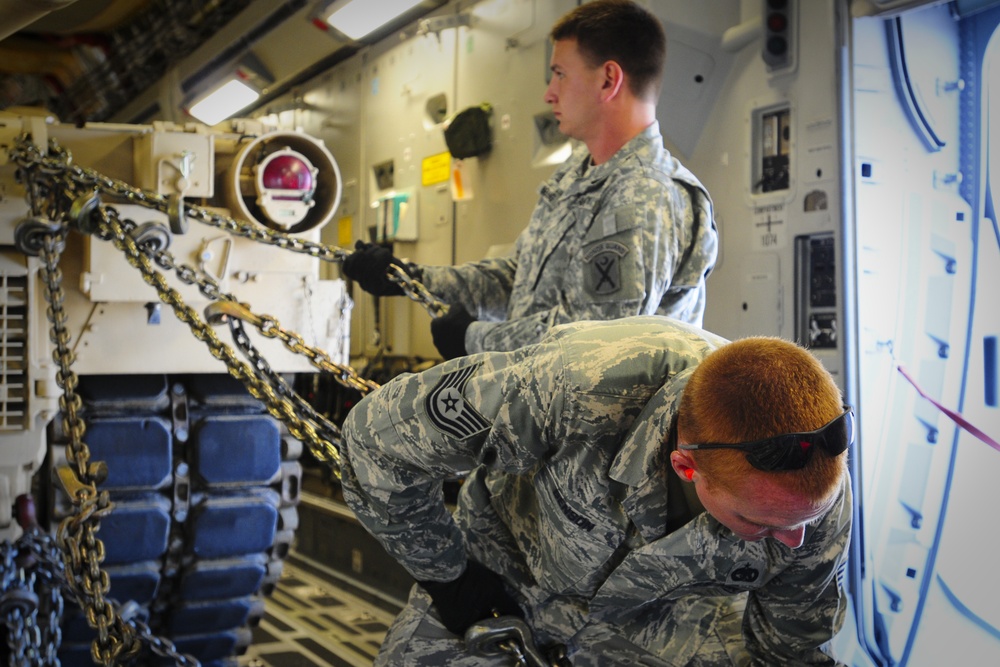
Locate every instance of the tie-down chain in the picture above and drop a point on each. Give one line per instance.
(64, 196)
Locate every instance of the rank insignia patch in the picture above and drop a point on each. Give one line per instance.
(603, 274)
(743, 573)
(447, 409)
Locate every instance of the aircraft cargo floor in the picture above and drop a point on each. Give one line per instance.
(317, 617)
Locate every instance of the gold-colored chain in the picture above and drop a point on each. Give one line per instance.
(82, 550)
(417, 291)
(56, 180)
(58, 164)
(281, 409)
(63, 195)
(55, 190)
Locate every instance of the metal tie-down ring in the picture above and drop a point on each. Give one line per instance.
(30, 234)
(152, 235)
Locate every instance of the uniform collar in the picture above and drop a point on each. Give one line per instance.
(641, 144)
(578, 175)
(643, 462)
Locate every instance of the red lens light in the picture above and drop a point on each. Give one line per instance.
(777, 22)
(287, 172)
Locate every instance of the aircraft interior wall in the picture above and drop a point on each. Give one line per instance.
(772, 156)
(925, 251)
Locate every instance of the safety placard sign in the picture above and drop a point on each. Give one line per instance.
(435, 169)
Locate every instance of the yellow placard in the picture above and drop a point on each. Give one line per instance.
(345, 230)
(435, 169)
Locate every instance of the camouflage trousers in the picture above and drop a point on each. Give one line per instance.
(418, 639)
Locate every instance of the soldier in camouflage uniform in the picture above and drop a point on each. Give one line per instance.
(622, 228)
(587, 510)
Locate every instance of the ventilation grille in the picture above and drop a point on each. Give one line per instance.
(13, 358)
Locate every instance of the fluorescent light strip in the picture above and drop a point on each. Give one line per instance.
(223, 102)
(358, 18)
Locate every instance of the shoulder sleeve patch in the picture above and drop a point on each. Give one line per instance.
(447, 408)
(602, 262)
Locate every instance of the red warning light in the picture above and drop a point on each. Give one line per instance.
(287, 172)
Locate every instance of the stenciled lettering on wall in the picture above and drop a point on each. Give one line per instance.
(769, 226)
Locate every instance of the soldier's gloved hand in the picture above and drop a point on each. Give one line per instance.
(478, 593)
(369, 266)
(448, 332)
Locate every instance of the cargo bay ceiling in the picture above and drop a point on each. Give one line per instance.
(102, 60)
(137, 61)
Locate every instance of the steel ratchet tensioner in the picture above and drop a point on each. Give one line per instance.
(511, 636)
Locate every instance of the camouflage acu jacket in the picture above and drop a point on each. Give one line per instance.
(632, 236)
(570, 497)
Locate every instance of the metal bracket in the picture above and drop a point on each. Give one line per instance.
(509, 636)
(439, 23)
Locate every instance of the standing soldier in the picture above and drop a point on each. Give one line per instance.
(622, 228)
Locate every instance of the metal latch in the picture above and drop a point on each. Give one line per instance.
(510, 635)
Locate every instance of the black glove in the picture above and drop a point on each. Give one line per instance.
(369, 266)
(478, 593)
(448, 332)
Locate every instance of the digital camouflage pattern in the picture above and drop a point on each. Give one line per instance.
(632, 236)
(569, 496)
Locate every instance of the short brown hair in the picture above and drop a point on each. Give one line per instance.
(756, 388)
(622, 31)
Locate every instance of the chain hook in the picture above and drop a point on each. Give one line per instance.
(176, 214)
(220, 312)
(81, 212)
(78, 490)
(30, 233)
(151, 236)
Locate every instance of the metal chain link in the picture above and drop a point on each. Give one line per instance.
(58, 165)
(51, 568)
(417, 291)
(331, 434)
(117, 641)
(278, 407)
(37, 557)
(268, 326)
(79, 185)
(82, 550)
(58, 190)
(18, 609)
(43, 555)
(79, 199)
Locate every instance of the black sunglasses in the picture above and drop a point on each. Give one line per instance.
(791, 451)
